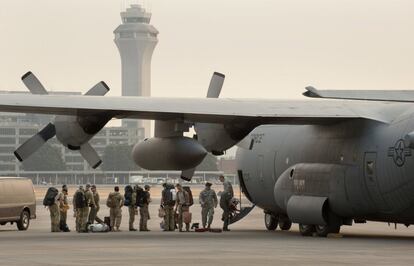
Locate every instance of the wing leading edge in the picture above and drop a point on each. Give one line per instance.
(193, 109)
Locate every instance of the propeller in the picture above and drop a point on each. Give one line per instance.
(49, 131)
(216, 84)
(214, 90)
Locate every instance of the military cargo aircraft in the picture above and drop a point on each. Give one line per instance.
(319, 163)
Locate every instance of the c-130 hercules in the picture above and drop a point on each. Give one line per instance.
(319, 163)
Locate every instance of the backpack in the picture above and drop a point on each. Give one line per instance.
(111, 202)
(141, 197)
(169, 196)
(128, 195)
(80, 200)
(190, 200)
(50, 196)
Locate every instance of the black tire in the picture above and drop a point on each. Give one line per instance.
(325, 230)
(332, 227)
(285, 224)
(306, 230)
(271, 221)
(24, 222)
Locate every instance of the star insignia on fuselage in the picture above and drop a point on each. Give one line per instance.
(399, 152)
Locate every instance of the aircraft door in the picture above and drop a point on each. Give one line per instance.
(370, 176)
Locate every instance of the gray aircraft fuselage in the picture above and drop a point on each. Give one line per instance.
(363, 167)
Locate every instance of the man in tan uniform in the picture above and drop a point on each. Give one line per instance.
(55, 214)
(115, 202)
(182, 206)
(79, 203)
(90, 203)
(143, 210)
(64, 207)
(132, 207)
(168, 203)
(93, 214)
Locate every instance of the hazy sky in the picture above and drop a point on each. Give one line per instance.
(267, 48)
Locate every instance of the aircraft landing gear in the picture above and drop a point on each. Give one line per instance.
(324, 230)
(284, 223)
(332, 227)
(271, 221)
(306, 230)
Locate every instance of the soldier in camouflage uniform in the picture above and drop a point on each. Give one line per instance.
(115, 202)
(64, 207)
(225, 200)
(132, 209)
(95, 209)
(78, 210)
(143, 210)
(182, 206)
(90, 203)
(55, 215)
(208, 201)
(168, 205)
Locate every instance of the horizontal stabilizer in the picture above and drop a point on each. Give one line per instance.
(362, 95)
(90, 155)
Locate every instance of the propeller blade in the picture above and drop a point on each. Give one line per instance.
(187, 175)
(99, 89)
(35, 142)
(90, 155)
(216, 84)
(33, 84)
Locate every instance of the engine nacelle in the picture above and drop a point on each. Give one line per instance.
(173, 153)
(74, 131)
(70, 133)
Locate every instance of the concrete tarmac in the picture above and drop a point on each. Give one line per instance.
(247, 244)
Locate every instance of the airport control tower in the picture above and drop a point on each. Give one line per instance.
(136, 40)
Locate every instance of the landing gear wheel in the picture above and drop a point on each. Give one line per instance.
(306, 230)
(332, 227)
(325, 230)
(24, 222)
(271, 221)
(285, 224)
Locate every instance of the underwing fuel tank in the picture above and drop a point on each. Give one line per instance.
(172, 153)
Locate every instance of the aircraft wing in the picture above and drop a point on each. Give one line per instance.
(204, 110)
(363, 95)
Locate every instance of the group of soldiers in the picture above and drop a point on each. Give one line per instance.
(208, 201)
(86, 205)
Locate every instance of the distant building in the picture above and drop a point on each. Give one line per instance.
(227, 166)
(136, 40)
(16, 128)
